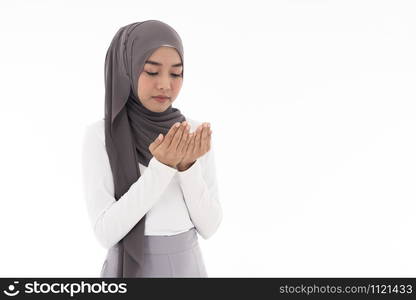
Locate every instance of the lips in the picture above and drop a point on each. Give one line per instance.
(161, 98)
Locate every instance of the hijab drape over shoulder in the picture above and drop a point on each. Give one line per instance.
(129, 126)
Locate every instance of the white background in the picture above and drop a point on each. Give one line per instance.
(312, 106)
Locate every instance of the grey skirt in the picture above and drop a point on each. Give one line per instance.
(165, 256)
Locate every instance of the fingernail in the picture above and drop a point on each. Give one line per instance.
(177, 124)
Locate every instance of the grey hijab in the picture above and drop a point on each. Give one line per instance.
(129, 126)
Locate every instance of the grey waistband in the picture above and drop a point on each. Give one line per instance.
(154, 244)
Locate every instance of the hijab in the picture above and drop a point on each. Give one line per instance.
(129, 126)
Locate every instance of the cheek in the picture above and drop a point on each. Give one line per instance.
(144, 84)
(177, 84)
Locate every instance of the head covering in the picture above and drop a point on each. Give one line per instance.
(129, 126)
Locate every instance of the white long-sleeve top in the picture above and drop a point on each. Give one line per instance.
(174, 201)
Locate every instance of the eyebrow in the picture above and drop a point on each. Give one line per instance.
(159, 64)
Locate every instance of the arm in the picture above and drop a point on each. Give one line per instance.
(111, 219)
(200, 189)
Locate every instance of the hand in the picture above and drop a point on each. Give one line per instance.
(170, 149)
(199, 144)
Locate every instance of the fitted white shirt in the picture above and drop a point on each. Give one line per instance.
(174, 201)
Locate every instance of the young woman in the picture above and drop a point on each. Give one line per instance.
(149, 171)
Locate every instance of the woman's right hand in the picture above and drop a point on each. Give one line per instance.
(171, 149)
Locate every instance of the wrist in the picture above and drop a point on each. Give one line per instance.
(184, 166)
(167, 164)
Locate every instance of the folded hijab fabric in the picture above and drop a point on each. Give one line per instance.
(129, 126)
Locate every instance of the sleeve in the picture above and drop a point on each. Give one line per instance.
(112, 220)
(200, 189)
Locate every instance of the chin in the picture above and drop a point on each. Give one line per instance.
(160, 109)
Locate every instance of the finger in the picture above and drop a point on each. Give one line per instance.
(204, 138)
(177, 137)
(158, 139)
(184, 140)
(198, 139)
(188, 143)
(191, 146)
(171, 133)
(156, 142)
(209, 138)
(208, 143)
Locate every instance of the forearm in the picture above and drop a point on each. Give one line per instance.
(201, 196)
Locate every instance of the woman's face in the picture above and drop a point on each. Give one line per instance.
(162, 75)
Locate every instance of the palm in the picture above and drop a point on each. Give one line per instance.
(199, 144)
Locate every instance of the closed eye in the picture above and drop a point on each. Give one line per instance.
(154, 74)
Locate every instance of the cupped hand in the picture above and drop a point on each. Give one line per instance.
(197, 146)
(171, 149)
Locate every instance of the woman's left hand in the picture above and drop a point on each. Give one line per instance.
(199, 144)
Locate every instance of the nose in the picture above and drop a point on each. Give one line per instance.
(164, 83)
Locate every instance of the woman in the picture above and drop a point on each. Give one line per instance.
(150, 186)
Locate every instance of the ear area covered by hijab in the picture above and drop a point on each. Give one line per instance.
(129, 126)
